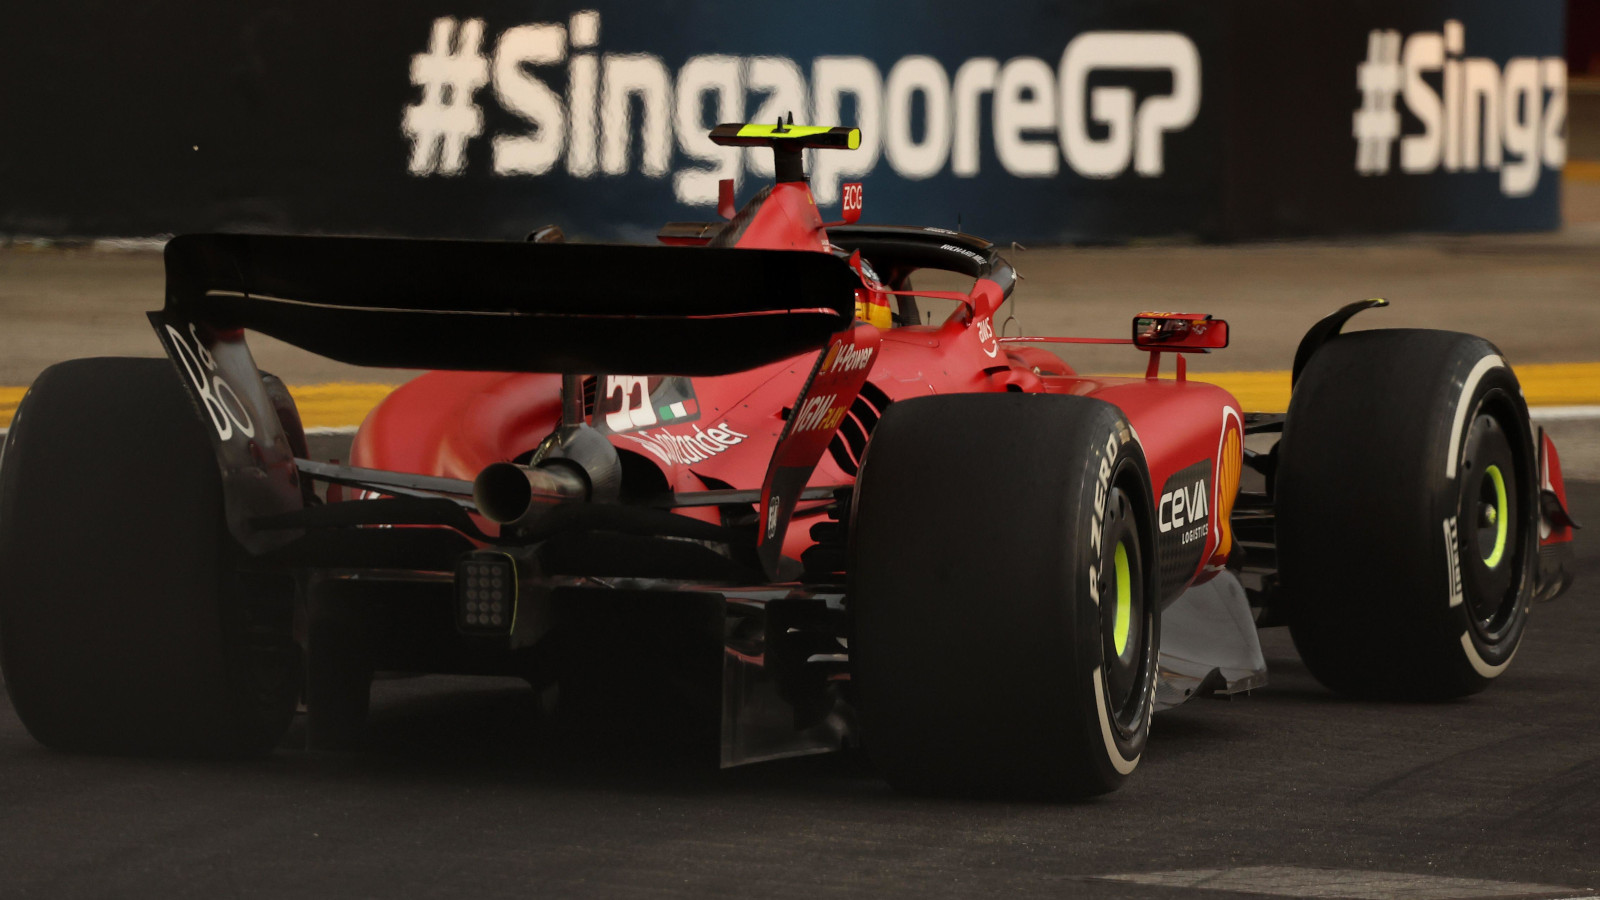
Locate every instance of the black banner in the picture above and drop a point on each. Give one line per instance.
(1017, 120)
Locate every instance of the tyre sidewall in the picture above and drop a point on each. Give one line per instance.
(1496, 392)
(976, 645)
(1123, 747)
(127, 623)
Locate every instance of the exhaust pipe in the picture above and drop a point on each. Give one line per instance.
(509, 494)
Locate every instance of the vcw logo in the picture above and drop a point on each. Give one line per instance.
(1480, 117)
(1041, 115)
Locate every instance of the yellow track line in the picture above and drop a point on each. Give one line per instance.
(1543, 384)
(345, 404)
(9, 398)
(337, 405)
(1582, 170)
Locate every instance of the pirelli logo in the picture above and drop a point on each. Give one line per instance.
(1452, 549)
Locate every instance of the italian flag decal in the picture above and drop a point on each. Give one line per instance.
(680, 410)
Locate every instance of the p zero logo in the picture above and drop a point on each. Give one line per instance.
(221, 402)
(1102, 487)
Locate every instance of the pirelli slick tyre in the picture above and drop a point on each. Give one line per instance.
(127, 622)
(1407, 515)
(339, 667)
(1002, 589)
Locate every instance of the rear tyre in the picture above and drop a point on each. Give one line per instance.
(1407, 527)
(339, 668)
(128, 621)
(1005, 627)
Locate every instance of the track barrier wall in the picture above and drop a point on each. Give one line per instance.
(1016, 119)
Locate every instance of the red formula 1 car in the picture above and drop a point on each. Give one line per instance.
(741, 473)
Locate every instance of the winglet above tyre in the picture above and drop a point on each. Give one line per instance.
(1325, 331)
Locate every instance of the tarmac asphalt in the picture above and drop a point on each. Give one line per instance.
(464, 789)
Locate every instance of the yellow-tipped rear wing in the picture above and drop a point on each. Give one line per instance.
(799, 137)
(786, 141)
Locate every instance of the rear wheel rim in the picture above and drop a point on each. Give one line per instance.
(1124, 615)
(1493, 520)
(1492, 533)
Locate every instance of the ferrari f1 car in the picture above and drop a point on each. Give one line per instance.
(740, 475)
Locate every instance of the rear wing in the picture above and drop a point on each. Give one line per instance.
(797, 136)
(512, 307)
(786, 141)
(467, 305)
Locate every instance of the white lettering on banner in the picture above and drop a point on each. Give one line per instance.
(446, 119)
(1134, 132)
(1509, 120)
(1025, 100)
(912, 76)
(975, 78)
(643, 76)
(625, 112)
(528, 97)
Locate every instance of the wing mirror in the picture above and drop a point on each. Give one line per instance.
(1179, 332)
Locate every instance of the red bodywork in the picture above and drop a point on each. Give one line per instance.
(725, 431)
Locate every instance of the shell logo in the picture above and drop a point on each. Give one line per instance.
(1229, 463)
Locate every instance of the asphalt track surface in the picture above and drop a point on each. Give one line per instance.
(464, 789)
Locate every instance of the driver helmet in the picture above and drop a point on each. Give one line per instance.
(872, 298)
